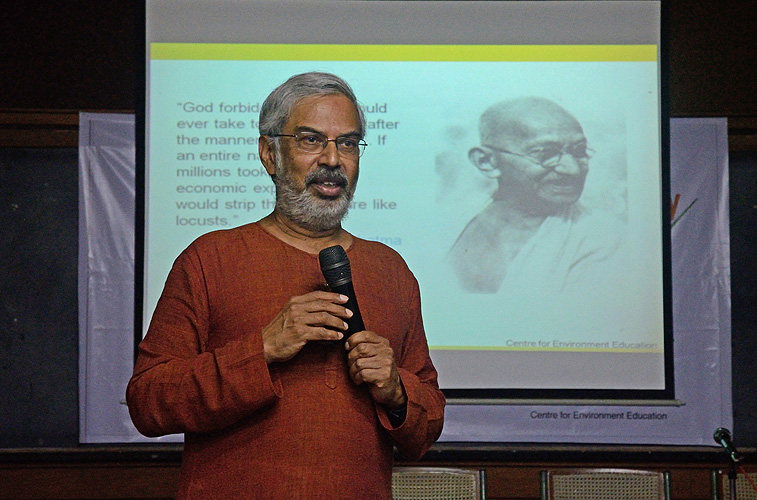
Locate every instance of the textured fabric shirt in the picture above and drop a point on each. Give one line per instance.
(297, 429)
(566, 254)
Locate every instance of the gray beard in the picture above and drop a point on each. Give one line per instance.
(310, 211)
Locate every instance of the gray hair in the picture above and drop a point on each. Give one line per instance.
(279, 104)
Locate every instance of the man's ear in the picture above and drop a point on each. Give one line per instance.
(267, 154)
(483, 158)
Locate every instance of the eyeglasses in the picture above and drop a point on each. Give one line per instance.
(550, 157)
(314, 143)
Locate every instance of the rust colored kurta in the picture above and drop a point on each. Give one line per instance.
(298, 429)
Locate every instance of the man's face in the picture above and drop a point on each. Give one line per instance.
(551, 172)
(314, 190)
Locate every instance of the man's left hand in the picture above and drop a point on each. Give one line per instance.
(371, 361)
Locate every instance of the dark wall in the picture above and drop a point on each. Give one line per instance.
(81, 55)
(712, 58)
(75, 55)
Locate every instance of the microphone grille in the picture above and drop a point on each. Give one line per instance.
(720, 433)
(335, 265)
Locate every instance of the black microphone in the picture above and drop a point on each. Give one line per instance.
(335, 267)
(723, 437)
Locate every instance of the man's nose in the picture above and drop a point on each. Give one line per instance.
(330, 154)
(568, 165)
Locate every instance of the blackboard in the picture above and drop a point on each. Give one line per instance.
(743, 226)
(38, 292)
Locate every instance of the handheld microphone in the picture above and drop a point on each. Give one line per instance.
(723, 437)
(335, 267)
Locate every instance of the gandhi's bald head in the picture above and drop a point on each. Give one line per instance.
(519, 119)
(537, 151)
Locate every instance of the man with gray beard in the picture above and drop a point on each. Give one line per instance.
(246, 352)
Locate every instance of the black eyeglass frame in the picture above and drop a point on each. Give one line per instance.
(324, 141)
(560, 153)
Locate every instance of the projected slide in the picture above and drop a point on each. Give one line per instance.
(572, 303)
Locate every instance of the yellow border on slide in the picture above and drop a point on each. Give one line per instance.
(449, 53)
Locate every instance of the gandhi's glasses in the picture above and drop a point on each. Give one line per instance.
(314, 143)
(550, 157)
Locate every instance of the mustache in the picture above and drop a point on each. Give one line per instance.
(324, 175)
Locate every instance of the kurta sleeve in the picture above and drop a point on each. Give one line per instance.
(425, 402)
(178, 384)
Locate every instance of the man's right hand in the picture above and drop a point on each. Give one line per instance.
(313, 316)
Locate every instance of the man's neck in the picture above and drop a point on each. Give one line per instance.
(516, 216)
(304, 239)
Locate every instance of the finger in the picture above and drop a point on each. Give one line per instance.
(326, 319)
(300, 325)
(333, 297)
(364, 337)
(318, 305)
(360, 359)
(322, 333)
(335, 309)
(364, 351)
(379, 376)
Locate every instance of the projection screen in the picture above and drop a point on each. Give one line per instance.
(576, 307)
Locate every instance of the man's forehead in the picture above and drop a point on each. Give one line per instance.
(523, 118)
(559, 136)
(542, 128)
(323, 108)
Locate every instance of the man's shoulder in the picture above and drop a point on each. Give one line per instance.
(376, 248)
(378, 254)
(221, 238)
(592, 220)
(594, 232)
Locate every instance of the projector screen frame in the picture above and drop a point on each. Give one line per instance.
(493, 395)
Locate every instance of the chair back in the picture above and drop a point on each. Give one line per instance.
(604, 484)
(437, 483)
(721, 486)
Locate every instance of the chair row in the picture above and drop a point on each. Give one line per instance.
(440, 483)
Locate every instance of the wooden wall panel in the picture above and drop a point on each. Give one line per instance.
(143, 480)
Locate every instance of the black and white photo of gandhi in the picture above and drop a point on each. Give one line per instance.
(534, 235)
